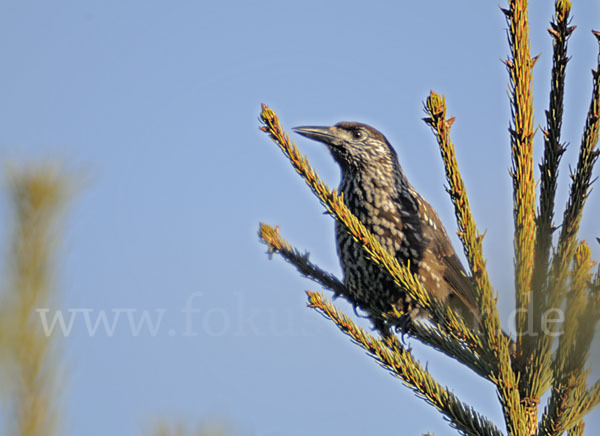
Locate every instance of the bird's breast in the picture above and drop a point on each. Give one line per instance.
(377, 206)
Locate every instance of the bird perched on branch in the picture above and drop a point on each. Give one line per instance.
(377, 192)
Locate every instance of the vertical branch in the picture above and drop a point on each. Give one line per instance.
(37, 197)
(553, 151)
(520, 66)
(471, 238)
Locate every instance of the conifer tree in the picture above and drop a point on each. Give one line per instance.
(549, 276)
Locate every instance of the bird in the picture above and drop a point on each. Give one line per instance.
(376, 190)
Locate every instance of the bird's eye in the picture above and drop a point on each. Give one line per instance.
(357, 134)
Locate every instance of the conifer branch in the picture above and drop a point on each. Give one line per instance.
(471, 238)
(401, 363)
(37, 198)
(522, 417)
(553, 148)
(276, 244)
(553, 151)
(520, 69)
(446, 318)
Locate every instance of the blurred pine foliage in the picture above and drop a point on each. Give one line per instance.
(31, 360)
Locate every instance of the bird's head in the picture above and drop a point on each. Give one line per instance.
(355, 146)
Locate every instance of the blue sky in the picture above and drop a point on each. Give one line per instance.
(153, 106)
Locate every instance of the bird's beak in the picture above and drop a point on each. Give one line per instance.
(318, 133)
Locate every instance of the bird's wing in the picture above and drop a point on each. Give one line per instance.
(453, 271)
(465, 290)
